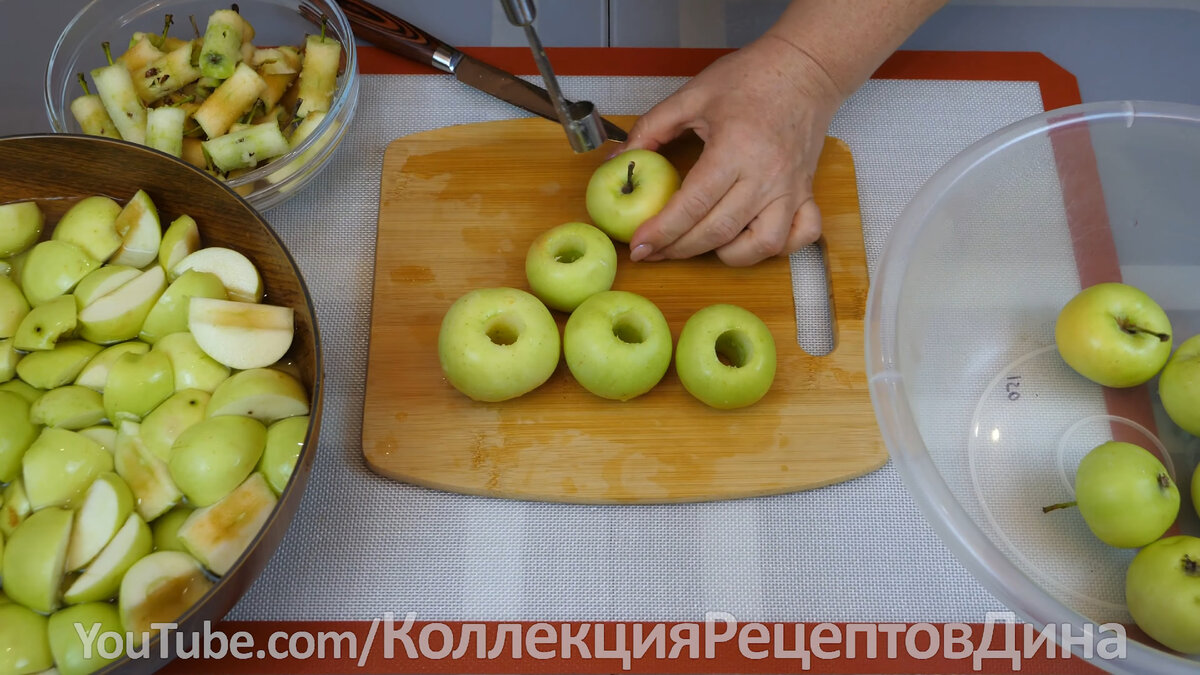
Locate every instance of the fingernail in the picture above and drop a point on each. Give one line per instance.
(640, 252)
(620, 147)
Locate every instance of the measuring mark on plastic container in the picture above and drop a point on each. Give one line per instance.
(1012, 385)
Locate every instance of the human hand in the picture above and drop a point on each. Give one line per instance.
(763, 113)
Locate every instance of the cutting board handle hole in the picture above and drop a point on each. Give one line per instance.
(811, 296)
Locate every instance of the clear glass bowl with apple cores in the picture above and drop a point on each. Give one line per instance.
(1034, 366)
(285, 81)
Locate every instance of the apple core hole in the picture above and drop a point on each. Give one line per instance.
(569, 251)
(503, 332)
(630, 329)
(733, 348)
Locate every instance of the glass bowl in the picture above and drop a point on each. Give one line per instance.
(275, 22)
(983, 419)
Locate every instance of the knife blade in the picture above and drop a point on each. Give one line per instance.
(404, 39)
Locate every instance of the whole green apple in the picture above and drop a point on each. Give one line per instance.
(213, 457)
(725, 357)
(52, 269)
(65, 625)
(1179, 386)
(13, 307)
(628, 189)
(193, 369)
(495, 344)
(1114, 335)
(20, 225)
(137, 384)
(58, 366)
(60, 465)
(617, 345)
(1162, 591)
(285, 439)
(45, 324)
(170, 311)
(17, 433)
(24, 644)
(68, 407)
(569, 263)
(34, 557)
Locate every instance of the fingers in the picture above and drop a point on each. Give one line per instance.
(661, 124)
(806, 226)
(725, 221)
(702, 189)
(778, 230)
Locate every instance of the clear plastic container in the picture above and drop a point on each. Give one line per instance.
(983, 419)
(275, 22)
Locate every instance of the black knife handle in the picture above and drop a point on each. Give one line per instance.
(399, 36)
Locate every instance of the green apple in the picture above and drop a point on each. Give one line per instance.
(91, 225)
(241, 334)
(53, 269)
(1162, 591)
(170, 312)
(725, 357)
(181, 239)
(160, 588)
(239, 276)
(13, 307)
(567, 264)
(5, 267)
(34, 557)
(166, 528)
(71, 657)
(1179, 386)
(17, 433)
(1125, 495)
(137, 384)
(285, 439)
(103, 434)
(22, 389)
(45, 324)
(154, 492)
(102, 578)
(1114, 335)
(16, 264)
(213, 457)
(496, 344)
(628, 189)
(106, 506)
(217, 535)
(20, 225)
(9, 356)
(617, 345)
(58, 366)
(120, 314)
(193, 369)
(59, 467)
(265, 394)
(95, 373)
(102, 281)
(69, 407)
(16, 507)
(165, 423)
(24, 644)
(140, 232)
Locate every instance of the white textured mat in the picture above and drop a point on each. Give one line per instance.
(363, 545)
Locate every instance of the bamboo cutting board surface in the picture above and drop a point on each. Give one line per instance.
(459, 207)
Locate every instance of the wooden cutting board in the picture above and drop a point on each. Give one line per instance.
(459, 207)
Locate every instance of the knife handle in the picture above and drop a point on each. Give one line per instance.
(397, 35)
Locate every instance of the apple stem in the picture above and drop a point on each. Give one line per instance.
(1164, 481)
(1133, 330)
(1190, 567)
(628, 186)
(195, 26)
(107, 52)
(83, 83)
(1054, 507)
(167, 26)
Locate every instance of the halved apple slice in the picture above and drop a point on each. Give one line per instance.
(16, 507)
(103, 434)
(147, 476)
(60, 465)
(166, 528)
(241, 335)
(159, 589)
(140, 230)
(95, 373)
(52, 270)
(171, 418)
(181, 239)
(107, 504)
(120, 314)
(13, 307)
(45, 324)
(58, 366)
(170, 312)
(193, 369)
(218, 534)
(9, 356)
(102, 281)
(68, 407)
(239, 276)
(17, 433)
(265, 394)
(90, 225)
(102, 578)
(34, 559)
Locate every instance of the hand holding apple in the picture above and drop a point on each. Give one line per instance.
(628, 189)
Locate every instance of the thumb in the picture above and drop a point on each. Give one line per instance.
(661, 124)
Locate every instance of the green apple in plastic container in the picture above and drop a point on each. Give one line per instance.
(1114, 335)
(193, 368)
(265, 394)
(71, 657)
(175, 415)
(147, 476)
(241, 335)
(726, 357)
(628, 189)
(34, 558)
(20, 226)
(159, 588)
(24, 642)
(617, 345)
(137, 384)
(119, 315)
(59, 467)
(285, 439)
(218, 534)
(213, 457)
(90, 224)
(1162, 592)
(13, 307)
(52, 270)
(17, 433)
(1179, 386)
(170, 312)
(105, 508)
(95, 373)
(1125, 494)
(567, 264)
(102, 578)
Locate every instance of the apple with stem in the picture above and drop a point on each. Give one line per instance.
(265, 394)
(1114, 335)
(239, 334)
(629, 189)
(1179, 386)
(71, 657)
(496, 344)
(1162, 591)
(193, 369)
(20, 226)
(617, 345)
(214, 456)
(726, 357)
(567, 264)
(34, 558)
(24, 641)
